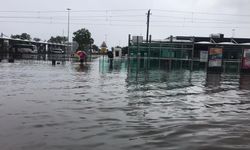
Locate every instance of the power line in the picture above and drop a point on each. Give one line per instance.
(206, 13)
(118, 16)
(186, 20)
(75, 11)
(25, 11)
(111, 10)
(125, 25)
(51, 20)
(49, 17)
(195, 21)
(121, 10)
(189, 18)
(111, 18)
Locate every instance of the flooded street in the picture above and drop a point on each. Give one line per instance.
(95, 107)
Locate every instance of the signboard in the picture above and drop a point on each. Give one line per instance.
(246, 59)
(203, 56)
(6, 42)
(134, 39)
(215, 57)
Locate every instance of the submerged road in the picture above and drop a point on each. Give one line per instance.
(96, 107)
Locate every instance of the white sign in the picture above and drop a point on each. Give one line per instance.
(203, 56)
(134, 39)
(215, 63)
(6, 42)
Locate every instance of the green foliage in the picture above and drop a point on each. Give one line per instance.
(83, 38)
(37, 39)
(58, 39)
(15, 36)
(95, 47)
(125, 50)
(23, 36)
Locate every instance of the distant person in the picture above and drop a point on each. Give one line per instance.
(82, 56)
(110, 55)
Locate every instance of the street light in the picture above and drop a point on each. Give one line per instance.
(68, 9)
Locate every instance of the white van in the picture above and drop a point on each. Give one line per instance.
(57, 51)
(25, 48)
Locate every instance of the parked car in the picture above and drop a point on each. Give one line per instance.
(57, 51)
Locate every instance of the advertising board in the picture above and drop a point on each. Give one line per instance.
(215, 57)
(203, 56)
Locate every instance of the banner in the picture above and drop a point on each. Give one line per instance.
(203, 56)
(215, 57)
(246, 59)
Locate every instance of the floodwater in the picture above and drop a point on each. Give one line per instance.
(98, 107)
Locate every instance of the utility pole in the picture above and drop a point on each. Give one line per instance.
(148, 18)
(68, 9)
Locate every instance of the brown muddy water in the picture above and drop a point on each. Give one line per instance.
(95, 107)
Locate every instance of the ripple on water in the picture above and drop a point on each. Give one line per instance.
(66, 107)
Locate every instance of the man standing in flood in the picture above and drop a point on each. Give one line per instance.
(110, 56)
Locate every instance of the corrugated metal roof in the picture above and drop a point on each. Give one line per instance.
(7, 38)
(204, 42)
(245, 44)
(227, 43)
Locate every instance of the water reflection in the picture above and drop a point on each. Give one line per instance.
(82, 68)
(116, 65)
(213, 80)
(245, 82)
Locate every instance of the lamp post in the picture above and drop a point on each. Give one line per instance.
(68, 9)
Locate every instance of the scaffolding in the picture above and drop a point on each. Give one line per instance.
(186, 53)
(168, 53)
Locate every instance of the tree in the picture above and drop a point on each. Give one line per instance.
(23, 36)
(125, 50)
(15, 36)
(83, 38)
(95, 47)
(58, 39)
(37, 39)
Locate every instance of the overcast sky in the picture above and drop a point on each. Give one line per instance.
(113, 20)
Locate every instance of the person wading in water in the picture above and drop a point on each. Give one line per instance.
(82, 56)
(110, 56)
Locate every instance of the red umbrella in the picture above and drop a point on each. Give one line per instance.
(81, 54)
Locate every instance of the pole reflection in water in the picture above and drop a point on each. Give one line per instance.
(245, 82)
(213, 83)
(213, 80)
